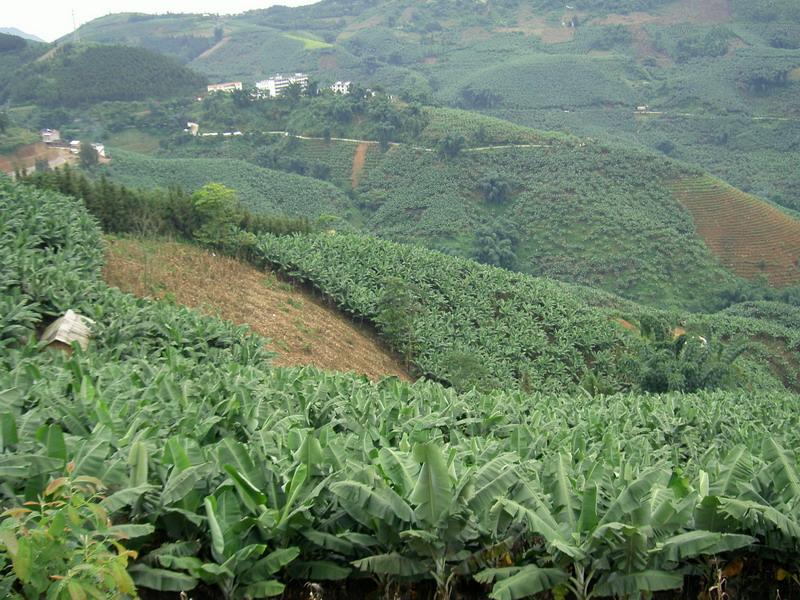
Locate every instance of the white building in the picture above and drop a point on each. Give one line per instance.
(100, 149)
(275, 86)
(50, 135)
(341, 87)
(230, 86)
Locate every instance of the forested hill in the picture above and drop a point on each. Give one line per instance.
(76, 75)
(721, 77)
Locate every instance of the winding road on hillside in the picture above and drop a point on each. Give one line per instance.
(374, 142)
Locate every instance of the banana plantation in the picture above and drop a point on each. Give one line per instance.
(171, 457)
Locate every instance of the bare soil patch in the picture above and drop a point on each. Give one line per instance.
(302, 330)
(359, 159)
(213, 48)
(25, 157)
(684, 11)
(748, 235)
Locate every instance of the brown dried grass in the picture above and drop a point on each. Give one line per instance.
(302, 330)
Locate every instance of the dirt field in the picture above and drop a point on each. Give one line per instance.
(685, 11)
(25, 158)
(302, 330)
(749, 236)
(358, 164)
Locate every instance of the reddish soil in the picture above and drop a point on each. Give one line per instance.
(359, 159)
(684, 11)
(25, 157)
(213, 48)
(328, 62)
(747, 235)
(302, 330)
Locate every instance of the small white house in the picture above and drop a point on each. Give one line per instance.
(75, 146)
(341, 87)
(228, 87)
(100, 149)
(192, 128)
(50, 135)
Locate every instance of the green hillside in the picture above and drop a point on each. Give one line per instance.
(722, 74)
(172, 437)
(259, 189)
(77, 75)
(530, 201)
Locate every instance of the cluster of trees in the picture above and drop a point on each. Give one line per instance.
(83, 75)
(211, 214)
(697, 44)
(667, 362)
(11, 43)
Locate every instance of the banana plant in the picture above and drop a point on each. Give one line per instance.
(424, 509)
(607, 536)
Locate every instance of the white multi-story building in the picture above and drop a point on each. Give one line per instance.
(275, 86)
(230, 86)
(50, 135)
(341, 87)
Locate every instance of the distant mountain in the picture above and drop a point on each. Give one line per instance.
(22, 34)
(706, 68)
(82, 74)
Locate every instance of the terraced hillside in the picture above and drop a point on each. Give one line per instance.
(748, 235)
(301, 329)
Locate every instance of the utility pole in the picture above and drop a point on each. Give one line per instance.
(75, 35)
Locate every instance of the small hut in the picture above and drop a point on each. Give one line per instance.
(72, 327)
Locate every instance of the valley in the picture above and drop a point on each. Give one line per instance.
(402, 300)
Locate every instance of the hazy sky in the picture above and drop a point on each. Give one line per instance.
(50, 19)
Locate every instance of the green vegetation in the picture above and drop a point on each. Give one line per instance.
(79, 75)
(260, 190)
(212, 214)
(538, 334)
(223, 472)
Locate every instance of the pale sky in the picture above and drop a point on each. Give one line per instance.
(50, 19)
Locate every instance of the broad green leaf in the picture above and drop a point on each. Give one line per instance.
(249, 493)
(264, 589)
(181, 483)
(620, 584)
(392, 564)
(217, 539)
(161, 580)
(521, 582)
(433, 491)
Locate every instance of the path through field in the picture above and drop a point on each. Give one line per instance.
(748, 235)
(359, 159)
(213, 48)
(302, 330)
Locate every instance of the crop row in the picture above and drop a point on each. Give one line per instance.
(745, 233)
(222, 472)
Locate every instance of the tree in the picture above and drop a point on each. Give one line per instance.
(495, 187)
(5, 122)
(451, 145)
(215, 206)
(397, 310)
(88, 156)
(219, 33)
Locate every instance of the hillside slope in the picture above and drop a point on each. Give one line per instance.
(720, 72)
(169, 437)
(259, 189)
(748, 235)
(77, 75)
(301, 329)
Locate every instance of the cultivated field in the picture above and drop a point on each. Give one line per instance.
(748, 235)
